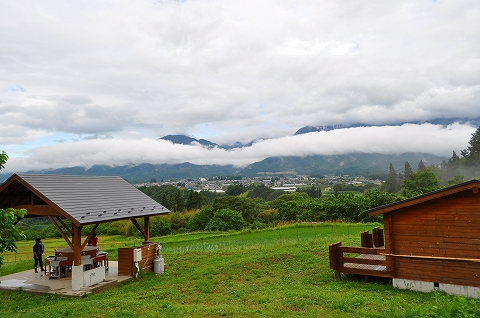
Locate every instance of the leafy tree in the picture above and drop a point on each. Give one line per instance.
(455, 180)
(9, 233)
(420, 182)
(160, 228)
(226, 220)
(178, 221)
(264, 192)
(313, 192)
(199, 220)
(247, 207)
(294, 196)
(178, 202)
(195, 200)
(346, 206)
(235, 189)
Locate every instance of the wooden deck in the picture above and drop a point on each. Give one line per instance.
(360, 260)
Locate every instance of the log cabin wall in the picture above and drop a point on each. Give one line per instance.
(445, 229)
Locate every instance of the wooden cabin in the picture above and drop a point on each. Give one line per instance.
(432, 242)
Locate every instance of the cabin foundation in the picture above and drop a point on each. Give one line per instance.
(426, 287)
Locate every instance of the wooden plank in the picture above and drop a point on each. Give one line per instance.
(440, 228)
(438, 252)
(359, 271)
(366, 261)
(360, 250)
(420, 257)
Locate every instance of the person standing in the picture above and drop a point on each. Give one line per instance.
(38, 249)
(93, 240)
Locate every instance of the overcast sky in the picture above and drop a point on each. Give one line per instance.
(98, 82)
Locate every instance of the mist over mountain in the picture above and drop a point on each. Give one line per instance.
(186, 140)
(475, 122)
(372, 165)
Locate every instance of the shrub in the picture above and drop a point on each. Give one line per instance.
(160, 228)
(246, 206)
(226, 220)
(199, 220)
(267, 216)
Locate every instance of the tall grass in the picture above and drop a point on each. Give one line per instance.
(282, 272)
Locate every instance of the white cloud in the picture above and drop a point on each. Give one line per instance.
(428, 138)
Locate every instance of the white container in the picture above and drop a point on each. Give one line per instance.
(158, 265)
(137, 254)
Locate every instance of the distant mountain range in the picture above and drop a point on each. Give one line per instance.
(373, 165)
(185, 140)
(438, 121)
(355, 164)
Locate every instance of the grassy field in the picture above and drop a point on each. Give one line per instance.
(280, 272)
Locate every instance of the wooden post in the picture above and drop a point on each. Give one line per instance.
(378, 237)
(366, 239)
(77, 244)
(146, 226)
(335, 254)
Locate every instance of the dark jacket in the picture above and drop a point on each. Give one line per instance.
(38, 248)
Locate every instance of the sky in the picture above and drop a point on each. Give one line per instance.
(99, 82)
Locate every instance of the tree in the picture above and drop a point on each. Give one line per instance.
(235, 189)
(199, 220)
(421, 165)
(313, 192)
(9, 233)
(195, 200)
(471, 155)
(408, 170)
(420, 182)
(391, 183)
(178, 201)
(225, 220)
(247, 207)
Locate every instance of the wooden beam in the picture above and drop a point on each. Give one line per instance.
(137, 225)
(475, 190)
(38, 210)
(59, 229)
(64, 225)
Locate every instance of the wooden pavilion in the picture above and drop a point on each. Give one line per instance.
(431, 242)
(82, 200)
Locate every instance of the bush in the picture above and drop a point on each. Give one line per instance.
(246, 206)
(199, 220)
(267, 216)
(160, 228)
(226, 220)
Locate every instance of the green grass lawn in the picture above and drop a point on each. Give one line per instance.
(280, 272)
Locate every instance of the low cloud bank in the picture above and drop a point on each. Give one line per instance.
(427, 138)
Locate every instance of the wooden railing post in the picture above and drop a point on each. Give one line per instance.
(335, 254)
(378, 237)
(366, 239)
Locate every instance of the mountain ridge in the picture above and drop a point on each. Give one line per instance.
(373, 165)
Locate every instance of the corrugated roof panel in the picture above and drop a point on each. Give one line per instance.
(91, 199)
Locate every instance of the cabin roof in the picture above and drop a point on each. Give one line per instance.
(81, 199)
(474, 185)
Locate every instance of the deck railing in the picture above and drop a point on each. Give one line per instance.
(360, 260)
